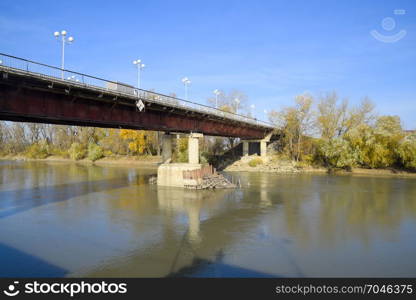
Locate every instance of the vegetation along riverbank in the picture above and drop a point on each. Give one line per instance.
(317, 134)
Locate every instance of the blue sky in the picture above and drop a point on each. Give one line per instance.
(270, 50)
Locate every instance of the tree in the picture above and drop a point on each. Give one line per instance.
(376, 146)
(294, 122)
(362, 114)
(337, 153)
(140, 141)
(113, 143)
(331, 116)
(228, 103)
(335, 119)
(407, 152)
(95, 152)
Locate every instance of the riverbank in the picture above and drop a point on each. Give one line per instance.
(116, 161)
(267, 165)
(272, 165)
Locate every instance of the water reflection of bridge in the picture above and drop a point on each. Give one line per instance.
(110, 222)
(197, 227)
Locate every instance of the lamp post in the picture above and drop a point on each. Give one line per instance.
(73, 78)
(64, 40)
(217, 93)
(140, 66)
(237, 101)
(186, 82)
(252, 107)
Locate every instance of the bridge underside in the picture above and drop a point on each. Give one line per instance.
(28, 99)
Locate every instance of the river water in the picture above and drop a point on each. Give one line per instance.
(66, 219)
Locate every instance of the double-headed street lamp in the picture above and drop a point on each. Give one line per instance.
(237, 101)
(252, 107)
(64, 40)
(73, 78)
(217, 93)
(186, 82)
(140, 66)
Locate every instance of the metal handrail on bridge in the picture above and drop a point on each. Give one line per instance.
(102, 85)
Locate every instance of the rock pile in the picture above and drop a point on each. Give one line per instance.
(216, 181)
(153, 180)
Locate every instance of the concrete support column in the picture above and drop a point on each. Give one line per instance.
(166, 148)
(245, 148)
(193, 148)
(263, 148)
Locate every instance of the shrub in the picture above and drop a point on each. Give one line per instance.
(181, 153)
(407, 153)
(38, 150)
(255, 162)
(58, 152)
(95, 152)
(108, 153)
(337, 153)
(204, 158)
(77, 151)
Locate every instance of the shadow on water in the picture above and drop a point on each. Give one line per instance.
(15, 263)
(17, 201)
(217, 268)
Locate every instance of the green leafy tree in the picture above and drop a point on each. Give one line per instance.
(95, 152)
(407, 152)
(77, 151)
(337, 153)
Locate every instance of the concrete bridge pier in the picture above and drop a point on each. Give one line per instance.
(263, 148)
(245, 148)
(263, 145)
(166, 148)
(171, 174)
(193, 147)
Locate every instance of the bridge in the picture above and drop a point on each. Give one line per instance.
(35, 92)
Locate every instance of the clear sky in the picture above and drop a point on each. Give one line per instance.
(270, 50)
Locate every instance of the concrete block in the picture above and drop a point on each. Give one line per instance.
(172, 174)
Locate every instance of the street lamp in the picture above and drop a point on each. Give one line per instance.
(237, 101)
(217, 93)
(140, 66)
(64, 40)
(73, 78)
(186, 82)
(252, 107)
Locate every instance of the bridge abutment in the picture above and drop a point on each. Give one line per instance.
(263, 146)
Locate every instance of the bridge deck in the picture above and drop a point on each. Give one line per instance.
(34, 92)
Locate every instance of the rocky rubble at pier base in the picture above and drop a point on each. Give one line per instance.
(215, 181)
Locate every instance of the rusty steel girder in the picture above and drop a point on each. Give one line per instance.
(30, 101)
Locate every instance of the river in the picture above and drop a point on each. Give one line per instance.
(67, 219)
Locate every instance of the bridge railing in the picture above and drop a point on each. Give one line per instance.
(107, 86)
